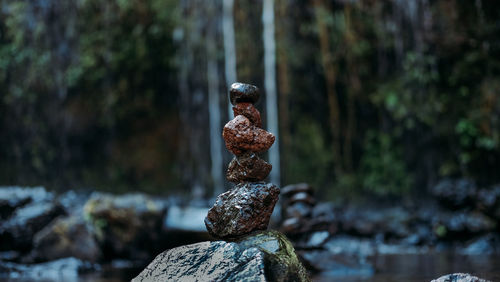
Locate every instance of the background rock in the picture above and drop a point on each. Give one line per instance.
(455, 193)
(16, 233)
(127, 226)
(12, 198)
(66, 237)
(488, 201)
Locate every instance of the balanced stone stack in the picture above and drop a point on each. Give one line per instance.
(249, 205)
(240, 216)
(297, 207)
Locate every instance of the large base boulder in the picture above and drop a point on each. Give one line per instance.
(261, 256)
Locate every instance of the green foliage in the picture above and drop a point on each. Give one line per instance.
(81, 77)
(310, 155)
(382, 167)
(412, 96)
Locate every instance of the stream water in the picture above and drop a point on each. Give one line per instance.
(424, 267)
(407, 267)
(388, 268)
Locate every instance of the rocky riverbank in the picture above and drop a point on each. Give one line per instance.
(81, 232)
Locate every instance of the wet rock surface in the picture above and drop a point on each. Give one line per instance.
(459, 277)
(262, 256)
(240, 136)
(247, 168)
(243, 93)
(245, 208)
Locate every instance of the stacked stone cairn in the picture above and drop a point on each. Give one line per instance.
(248, 252)
(249, 205)
(297, 205)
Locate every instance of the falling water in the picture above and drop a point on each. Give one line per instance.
(270, 86)
(229, 47)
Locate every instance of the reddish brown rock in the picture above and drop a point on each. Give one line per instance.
(246, 208)
(249, 111)
(248, 167)
(241, 136)
(242, 92)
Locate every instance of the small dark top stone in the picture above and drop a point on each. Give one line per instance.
(242, 92)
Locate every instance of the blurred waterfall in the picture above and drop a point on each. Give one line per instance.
(416, 16)
(214, 110)
(193, 109)
(270, 86)
(229, 48)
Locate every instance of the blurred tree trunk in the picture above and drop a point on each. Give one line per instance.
(214, 102)
(270, 86)
(330, 69)
(283, 80)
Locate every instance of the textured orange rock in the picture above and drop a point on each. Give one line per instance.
(249, 111)
(241, 136)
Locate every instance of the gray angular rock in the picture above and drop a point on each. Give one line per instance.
(459, 277)
(246, 208)
(262, 256)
